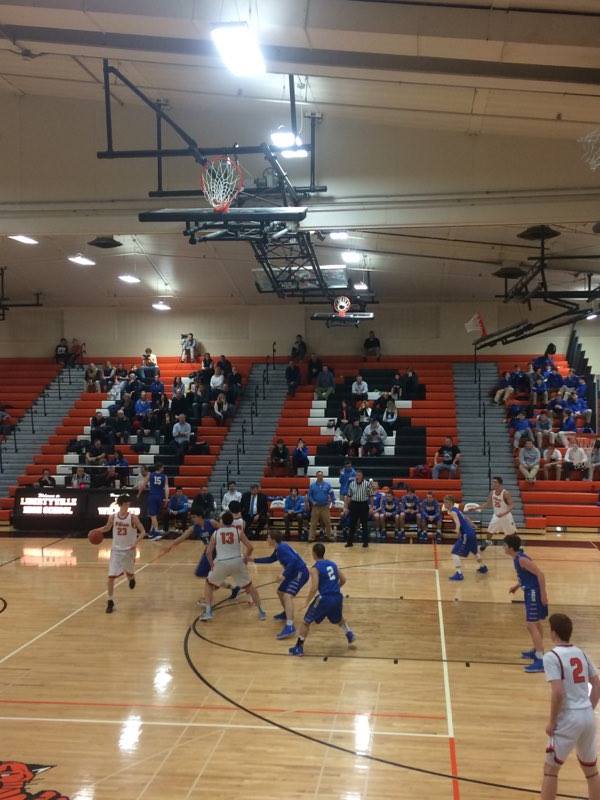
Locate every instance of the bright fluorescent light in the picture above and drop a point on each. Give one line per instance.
(129, 279)
(351, 256)
(299, 153)
(82, 260)
(332, 266)
(239, 49)
(361, 286)
(592, 315)
(282, 137)
(338, 236)
(23, 239)
(161, 306)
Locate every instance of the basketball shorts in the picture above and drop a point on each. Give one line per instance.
(505, 525)
(410, 516)
(535, 610)
(465, 545)
(294, 583)
(431, 519)
(121, 561)
(203, 567)
(155, 502)
(325, 607)
(389, 514)
(574, 729)
(233, 568)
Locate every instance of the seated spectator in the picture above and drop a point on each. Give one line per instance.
(225, 365)
(410, 382)
(545, 362)
(207, 368)
(520, 381)
(100, 428)
(373, 439)
(543, 429)
(220, 409)
(121, 468)
(108, 377)
(345, 415)
(133, 385)
(120, 371)
(314, 366)
(554, 381)
(568, 427)
(504, 389)
(157, 390)
(178, 385)
(76, 352)
(347, 475)
(447, 458)
(79, 479)
(578, 406)
(164, 432)
(390, 416)
(539, 391)
(575, 460)
(121, 427)
(95, 456)
(255, 509)
(178, 509)
(182, 433)
(5, 424)
(189, 348)
(529, 461)
(92, 377)
(325, 386)
(300, 457)
(198, 402)
(61, 353)
(594, 460)
(552, 462)
(146, 371)
(148, 354)
(204, 504)
(232, 494)
(292, 377)
(379, 405)
(235, 382)
(293, 511)
(363, 412)
(280, 456)
(216, 382)
(179, 403)
(353, 434)
(46, 481)
(372, 346)
(143, 407)
(569, 383)
(360, 390)
(299, 349)
(520, 427)
(397, 387)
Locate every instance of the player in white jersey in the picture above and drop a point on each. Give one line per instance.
(572, 722)
(502, 505)
(224, 553)
(127, 531)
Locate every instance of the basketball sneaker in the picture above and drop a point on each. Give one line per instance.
(132, 583)
(262, 615)
(482, 569)
(280, 616)
(537, 665)
(206, 615)
(287, 630)
(153, 534)
(438, 537)
(296, 650)
(351, 637)
(458, 576)
(110, 606)
(422, 537)
(400, 537)
(234, 593)
(528, 654)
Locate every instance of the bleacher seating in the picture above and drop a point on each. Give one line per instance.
(22, 381)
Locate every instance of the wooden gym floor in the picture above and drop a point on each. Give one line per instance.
(145, 704)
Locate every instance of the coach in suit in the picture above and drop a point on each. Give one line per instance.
(255, 509)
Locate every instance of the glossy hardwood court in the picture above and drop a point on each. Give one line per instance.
(146, 704)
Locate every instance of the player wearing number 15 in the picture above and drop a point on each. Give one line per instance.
(572, 722)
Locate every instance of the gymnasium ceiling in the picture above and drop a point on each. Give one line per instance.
(511, 67)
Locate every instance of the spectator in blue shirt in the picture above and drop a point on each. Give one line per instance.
(122, 468)
(300, 457)
(539, 391)
(143, 406)
(320, 496)
(554, 380)
(504, 389)
(157, 390)
(521, 428)
(569, 383)
(520, 380)
(347, 475)
(293, 511)
(292, 377)
(568, 427)
(178, 508)
(582, 389)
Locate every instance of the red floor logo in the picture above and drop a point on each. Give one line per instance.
(14, 777)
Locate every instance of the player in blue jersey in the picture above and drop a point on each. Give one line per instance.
(430, 515)
(325, 599)
(295, 575)
(532, 581)
(466, 541)
(157, 484)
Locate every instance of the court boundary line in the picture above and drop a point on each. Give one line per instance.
(3, 605)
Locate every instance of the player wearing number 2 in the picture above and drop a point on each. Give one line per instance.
(572, 722)
(532, 581)
(224, 554)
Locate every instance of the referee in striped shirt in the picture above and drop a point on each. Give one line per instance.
(357, 503)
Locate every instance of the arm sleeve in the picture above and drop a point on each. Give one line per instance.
(591, 666)
(267, 559)
(552, 666)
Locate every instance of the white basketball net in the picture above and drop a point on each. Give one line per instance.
(591, 148)
(221, 181)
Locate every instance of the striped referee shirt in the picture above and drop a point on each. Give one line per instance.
(360, 492)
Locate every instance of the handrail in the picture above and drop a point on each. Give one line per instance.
(44, 402)
(252, 417)
(237, 455)
(228, 471)
(31, 419)
(267, 368)
(484, 431)
(58, 385)
(1, 461)
(244, 437)
(489, 455)
(274, 349)
(264, 386)
(256, 398)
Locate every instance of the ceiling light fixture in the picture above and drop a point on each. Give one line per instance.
(239, 49)
(129, 279)
(82, 260)
(331, 266)
(361, 286)
(338, 236)
(300, 152)
(351, 256)
(20, 237)
(282, 137)
(592, 315)
(161, 306)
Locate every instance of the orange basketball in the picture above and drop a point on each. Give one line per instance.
(96, 536)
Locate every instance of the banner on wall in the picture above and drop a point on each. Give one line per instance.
(476, 325)
(71, 510)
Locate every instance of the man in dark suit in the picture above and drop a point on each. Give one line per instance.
(255, 509)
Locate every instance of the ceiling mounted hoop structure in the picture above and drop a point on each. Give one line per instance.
(221, 180)
(590, 144)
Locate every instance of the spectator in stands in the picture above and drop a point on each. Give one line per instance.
(379, 405)
(373, 439)
(198, 402)
(594, 460)
(122, 468)
(225, 364)
(79, 479)
(255, 509)
(235, 382)
(121, 427)
(100, 428)
(204, 504)
(157, 390)
(409, 512)
(179, 403)
(372, 346)
(280, 457)
(539, 391)
(347, 475)
(61, 352)
(76, 352)
(521, 427)
(529, 461)
(232, 494)
(220, 409)
(207, 368)
(46, 481)
(314, 366)
(92, 377)
(293, 511)
(151, 356)
(178, 385)
(96, 454)
(300, 457)
(345, 415)
(578, 406)
(569, 383)
(554, 381)
(363, 412)
(133, 385)
(108, 377)
(189, 348)
(545, 362)
(182, 433)
(216, 382)
(447, 458)
(543, 429)
(552, 462)
(5, 423)
(143, 407)
(410, 382)
(503, 390)
(320, 496)
(353, 434)
(292, 377)
(299, 349)
(390, 417)
(325, 386)
(360, 390)
(397, 387)
(576, 460)
(568, 427)
(178, 509)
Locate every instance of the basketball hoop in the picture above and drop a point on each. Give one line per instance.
(342, 305)
(221, 180)
(591, 148)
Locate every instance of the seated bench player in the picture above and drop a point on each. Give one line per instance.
(430, 517)
(387, 512)
(409, 513)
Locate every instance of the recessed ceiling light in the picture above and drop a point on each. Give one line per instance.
(129, 279)
(351, 256)
(361, 286)
(592, 315)
(23, 239)
(239, 49)
(161, 306)
(82, 260)
(332, 266)
(338, 236)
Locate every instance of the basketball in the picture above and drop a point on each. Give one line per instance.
(96, 536)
